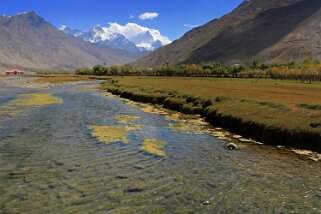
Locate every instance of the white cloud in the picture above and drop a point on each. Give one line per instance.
(145, 16)
(141, 36)
(190, 26)
(131, 16)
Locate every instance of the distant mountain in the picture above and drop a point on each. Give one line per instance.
(148, 41)
(102, 36)
(262, 30)
(131, 37)
(29, 41)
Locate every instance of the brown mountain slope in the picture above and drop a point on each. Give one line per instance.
(264, 30)
(28, 41)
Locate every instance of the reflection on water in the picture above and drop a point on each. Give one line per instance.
(50, 162)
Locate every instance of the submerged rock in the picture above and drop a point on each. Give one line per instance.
(139, 167)
(245, 140)
(122, 177)
(302, 152)
(236, 136)
(314, 159)
(232, 146)
(134, 189)
(206, 202)
(258, 143)
(280, 147)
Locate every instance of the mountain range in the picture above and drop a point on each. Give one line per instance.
(131, 37)
(257, 30)
(28, 41)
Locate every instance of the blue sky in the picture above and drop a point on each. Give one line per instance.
(84, 14)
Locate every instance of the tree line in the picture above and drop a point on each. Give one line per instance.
(307, 70)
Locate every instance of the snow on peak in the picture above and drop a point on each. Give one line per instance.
(63, 27)
(141, 36)
(24, 13)
(131, 36)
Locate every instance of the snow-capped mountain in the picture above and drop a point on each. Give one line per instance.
(130, 37)
(147, 41)
(102, 36)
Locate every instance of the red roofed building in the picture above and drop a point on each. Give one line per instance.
(15, 72)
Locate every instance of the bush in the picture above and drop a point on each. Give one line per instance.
(308, 70)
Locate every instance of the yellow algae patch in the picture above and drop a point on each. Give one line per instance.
(18, 105)
(112, 134)
(187, 128)
(36, 99)
(154, 146)
(126, 119)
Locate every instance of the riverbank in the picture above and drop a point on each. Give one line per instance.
(273, 112)
(24, 82)
(42, 81)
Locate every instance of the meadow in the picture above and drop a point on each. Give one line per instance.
(278, 112)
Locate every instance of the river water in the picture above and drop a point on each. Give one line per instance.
(50, 162)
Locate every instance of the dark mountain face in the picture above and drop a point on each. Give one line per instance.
(27, 40)
(264, 30)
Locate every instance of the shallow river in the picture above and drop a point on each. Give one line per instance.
(50, 162)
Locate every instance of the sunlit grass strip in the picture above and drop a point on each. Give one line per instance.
(154, 146)
(113, 134)
(18, 105)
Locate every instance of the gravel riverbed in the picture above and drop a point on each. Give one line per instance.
(23, 82)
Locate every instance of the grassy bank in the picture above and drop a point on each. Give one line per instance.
(274, 112)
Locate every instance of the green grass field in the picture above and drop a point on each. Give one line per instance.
(279, 105)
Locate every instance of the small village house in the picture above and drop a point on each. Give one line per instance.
(15, 72)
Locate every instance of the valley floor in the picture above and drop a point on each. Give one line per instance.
(275, 112)
(39, 81)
